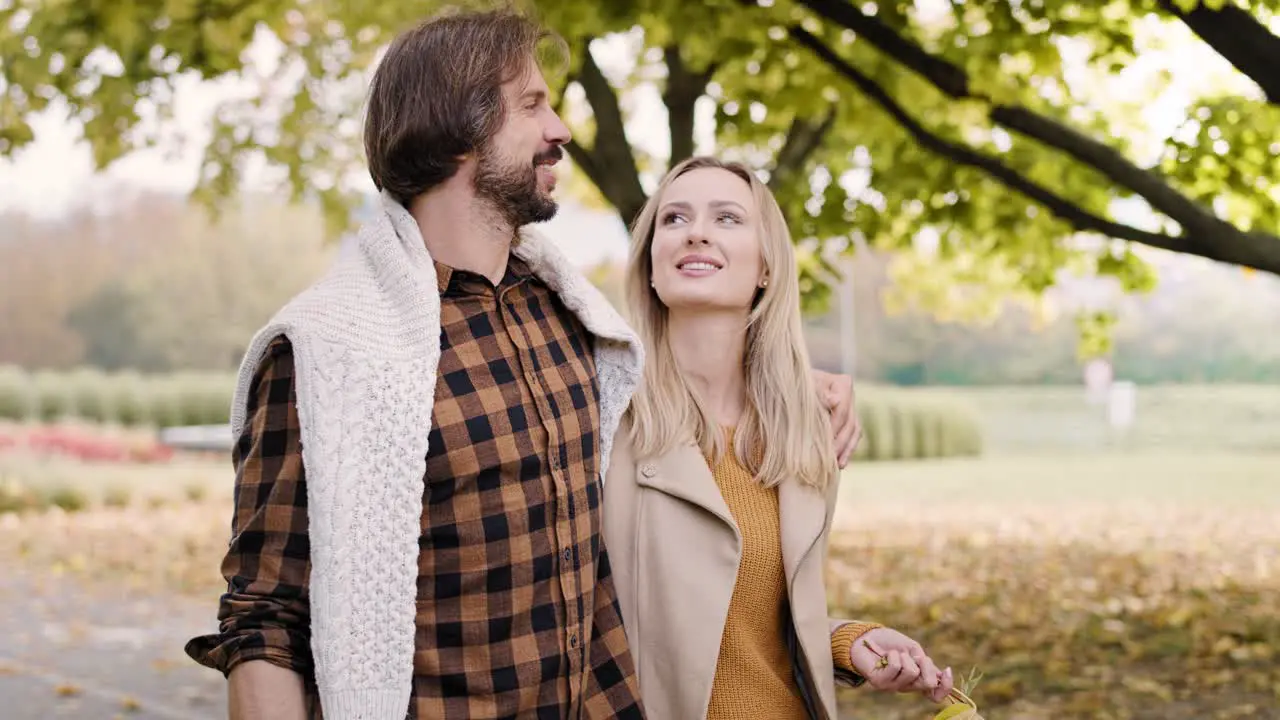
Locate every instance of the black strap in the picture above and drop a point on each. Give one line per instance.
(800, 670)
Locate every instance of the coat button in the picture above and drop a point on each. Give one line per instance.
(648, 470)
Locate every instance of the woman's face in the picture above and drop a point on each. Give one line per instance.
(706, 243)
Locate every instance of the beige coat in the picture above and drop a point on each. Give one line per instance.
(674, 549)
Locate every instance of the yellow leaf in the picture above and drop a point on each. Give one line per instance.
(1149, 687)
(1180, 616)
(1224, 645)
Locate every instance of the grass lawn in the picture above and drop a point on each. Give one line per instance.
(1215, 478)
(1183, 418)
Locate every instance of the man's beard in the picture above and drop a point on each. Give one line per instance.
(513, 189)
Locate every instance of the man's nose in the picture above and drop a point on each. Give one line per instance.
(557, 133)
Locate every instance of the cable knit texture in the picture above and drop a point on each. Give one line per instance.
(366, 341)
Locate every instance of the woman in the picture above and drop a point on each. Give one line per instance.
(722, 481)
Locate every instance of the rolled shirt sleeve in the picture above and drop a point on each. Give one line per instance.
(265, 613)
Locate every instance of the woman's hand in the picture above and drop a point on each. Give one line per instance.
(893, 662)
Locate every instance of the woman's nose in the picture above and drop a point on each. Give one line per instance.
(696, 236)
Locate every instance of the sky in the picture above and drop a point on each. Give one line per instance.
(51, 175)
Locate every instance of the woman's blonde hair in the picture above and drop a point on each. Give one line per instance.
(783, 417)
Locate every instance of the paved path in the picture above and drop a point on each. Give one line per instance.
(67, 651)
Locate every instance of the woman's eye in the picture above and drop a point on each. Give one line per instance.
(729, 217)
(671, 217)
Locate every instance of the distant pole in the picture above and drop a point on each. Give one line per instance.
(848, 318)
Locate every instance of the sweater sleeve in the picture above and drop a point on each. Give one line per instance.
(842, 641)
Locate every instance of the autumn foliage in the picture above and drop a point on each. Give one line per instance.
(1159, 612)
(81, 444)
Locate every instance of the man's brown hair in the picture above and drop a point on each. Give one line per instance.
(437, 94)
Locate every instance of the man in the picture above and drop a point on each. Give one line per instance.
(422, 432)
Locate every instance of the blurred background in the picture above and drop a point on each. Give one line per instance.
(1043, 236)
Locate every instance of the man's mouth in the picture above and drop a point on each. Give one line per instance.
(548, 158)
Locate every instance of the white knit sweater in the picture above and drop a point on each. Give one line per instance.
(366, 343)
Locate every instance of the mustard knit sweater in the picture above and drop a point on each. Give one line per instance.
(753, 675)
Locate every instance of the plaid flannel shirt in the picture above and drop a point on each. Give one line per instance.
(516, 614)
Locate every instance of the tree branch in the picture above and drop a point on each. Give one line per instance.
(1240, 38)
(609, 162)
(803, 139)
(1206, 234)
(952, 81)
(1110, 162)
(681, 94)
(586, 161)
(581, 156)
(1077, 217)
(948, 77)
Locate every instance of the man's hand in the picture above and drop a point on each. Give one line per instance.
(836, 395)
(893, 662)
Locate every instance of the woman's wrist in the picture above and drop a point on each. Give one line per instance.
(843, 639)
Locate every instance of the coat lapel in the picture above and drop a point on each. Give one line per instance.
(802, 515)
(683, 474)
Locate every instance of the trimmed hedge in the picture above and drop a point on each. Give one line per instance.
(897, 424)
(123, 398)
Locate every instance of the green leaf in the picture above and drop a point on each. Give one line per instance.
(868, 177)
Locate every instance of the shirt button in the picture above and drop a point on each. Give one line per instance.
(568, 554)
(573, 641)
